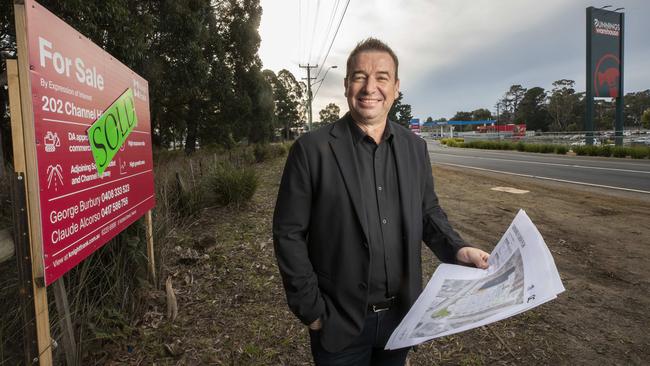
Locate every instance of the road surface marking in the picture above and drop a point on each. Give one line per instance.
(548, 178)
(542, 163)
(509, 190)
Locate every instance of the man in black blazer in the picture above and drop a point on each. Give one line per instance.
(355, 203)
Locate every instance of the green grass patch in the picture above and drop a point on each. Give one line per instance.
(636, 152)
(452, 141)
(620, 151)
(264, 152)
(232, 185)
(561, 149)
(605, 151)
(639, 152)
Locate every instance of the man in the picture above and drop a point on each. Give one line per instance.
(355, 202)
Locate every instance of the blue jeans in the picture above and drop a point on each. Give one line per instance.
(368, 348)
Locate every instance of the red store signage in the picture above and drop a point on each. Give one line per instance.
(72, 82)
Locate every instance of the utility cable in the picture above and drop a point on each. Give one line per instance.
(299, 29)
(313, 31)
(334, 38)
(329, 28)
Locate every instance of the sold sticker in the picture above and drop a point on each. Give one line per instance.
(109, 132)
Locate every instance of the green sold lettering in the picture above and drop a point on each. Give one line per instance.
(110, 131)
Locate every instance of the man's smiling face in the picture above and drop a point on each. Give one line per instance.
(371, 87)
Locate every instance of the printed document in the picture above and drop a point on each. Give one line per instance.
(521, 275)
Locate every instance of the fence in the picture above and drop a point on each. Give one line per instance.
(573, 138)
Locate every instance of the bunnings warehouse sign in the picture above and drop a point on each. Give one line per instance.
(605, 41)
(93, 141)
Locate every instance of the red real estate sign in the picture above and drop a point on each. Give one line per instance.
(72, 82)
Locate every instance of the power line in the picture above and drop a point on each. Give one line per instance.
(299, 28)
(334, 38)
(313, 31)
(305, 25)
(329, 28)
(322, 81)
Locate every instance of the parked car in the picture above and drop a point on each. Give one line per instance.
(584, 142)
(641, 141)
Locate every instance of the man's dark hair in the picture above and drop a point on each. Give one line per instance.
(370, 45)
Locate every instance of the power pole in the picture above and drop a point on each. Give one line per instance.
(309, 96)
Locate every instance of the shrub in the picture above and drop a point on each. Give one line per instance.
(532, 148)
(620, 151)
(639, 152)
(263, 152)
(521, 146)
(580, 150)
(561, 149)
(593, 150)
(546, 148)
(186, 197)
(605, 151)
(232, 185)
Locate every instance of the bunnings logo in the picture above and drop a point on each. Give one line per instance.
(607, 28)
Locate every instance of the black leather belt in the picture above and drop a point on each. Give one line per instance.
(381, 306)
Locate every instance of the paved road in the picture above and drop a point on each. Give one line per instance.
(612, 173)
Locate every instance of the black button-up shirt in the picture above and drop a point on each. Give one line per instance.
(380, 194)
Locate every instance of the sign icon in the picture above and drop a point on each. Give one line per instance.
(54, 174)
(51, 141)
(607, 76)
(122, 165)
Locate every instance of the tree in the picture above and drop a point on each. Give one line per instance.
(645, 118)
(8, 48)
(240, 20)
(509, 104)
(604, 114)
(503, 115)
(481, 114)
(462, 116)
(263, 111)
(429, 119)
(561, 105)
(635, 105)
(578, 114)
(329, 114)
(400, 112)
(291, 115)
(532, 110)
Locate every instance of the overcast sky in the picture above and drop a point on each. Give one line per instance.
(455, 55)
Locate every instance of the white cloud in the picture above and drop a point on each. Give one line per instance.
(454, 55)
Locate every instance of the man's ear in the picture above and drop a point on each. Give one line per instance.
(397, 89)
(345, 85)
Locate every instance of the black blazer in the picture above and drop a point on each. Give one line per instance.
(320, 234)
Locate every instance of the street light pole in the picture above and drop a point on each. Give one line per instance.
(498, 135)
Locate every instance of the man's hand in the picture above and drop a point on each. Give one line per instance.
(475, 256)
(316, 325)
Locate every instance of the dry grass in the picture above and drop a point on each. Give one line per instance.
(109, 292)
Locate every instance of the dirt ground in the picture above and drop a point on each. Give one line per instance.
(232, 309)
